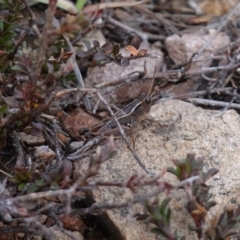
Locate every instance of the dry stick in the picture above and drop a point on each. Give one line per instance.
(56, 141)
(166, 23)
(65, 192)
(191, 94)
(101, 6)
(128, 29)
(86, 147)
(76, 68)
(111, 205)
(175, 73)
(213, 103)
(234, 97)
(180, 72)
(124, 135)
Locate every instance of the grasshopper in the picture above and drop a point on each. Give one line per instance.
(135, 109)
(126, 115)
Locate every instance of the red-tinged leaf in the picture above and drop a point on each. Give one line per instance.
(12, 102)
(135, 43)
(18, 170)
(211, 172)
(67, 55)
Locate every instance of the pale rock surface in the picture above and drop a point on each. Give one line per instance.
(214, 135)
(114, 72)
(126, 90)
(181, 48)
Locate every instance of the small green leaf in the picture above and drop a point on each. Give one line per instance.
(3, 109)
(163, 206)
(39, 183)
(80, 4)
(21, 186)
(54, 186)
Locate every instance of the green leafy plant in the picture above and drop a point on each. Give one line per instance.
(226, 223)
(198, 204)
(30, 180)
(199, 198)
(159, 214)
(27, 179)
(8, 24)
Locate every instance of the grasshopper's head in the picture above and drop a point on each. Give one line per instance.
(148, 99)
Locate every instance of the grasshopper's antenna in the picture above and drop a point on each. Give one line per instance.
(151, 91)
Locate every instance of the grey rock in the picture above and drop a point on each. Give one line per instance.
(213, 135)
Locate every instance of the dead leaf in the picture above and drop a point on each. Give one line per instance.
(132, 50)
(77, 121)
(72, 223)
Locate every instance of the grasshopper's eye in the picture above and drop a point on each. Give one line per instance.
(148, 99)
